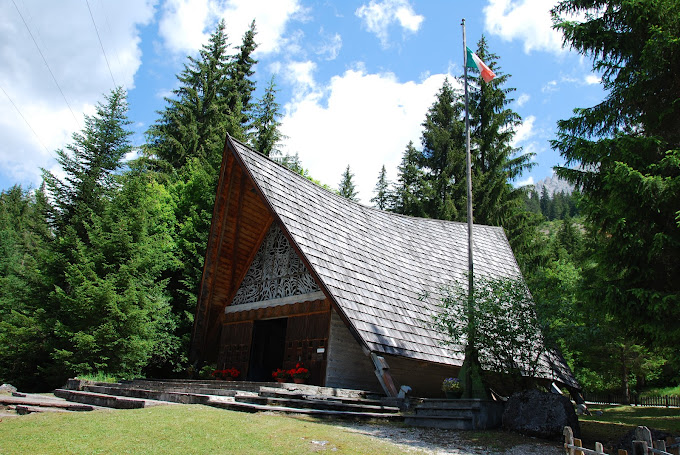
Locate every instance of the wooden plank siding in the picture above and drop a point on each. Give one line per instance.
(306, 339)
(348, 366)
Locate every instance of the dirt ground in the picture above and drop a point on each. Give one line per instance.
(452, 442)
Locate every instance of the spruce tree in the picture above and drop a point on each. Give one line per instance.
(266, 136)
(90, 162)
(25, 239)
(495, 162)
(410, 192)
(624, 156)
(346, 187)
(382, 198)
(240, 73)
(443, 156)
(203, 110)
(107, 310)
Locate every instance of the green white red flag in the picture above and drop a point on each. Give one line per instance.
(472, 61)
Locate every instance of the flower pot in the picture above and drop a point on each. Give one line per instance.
(280, 380)
(452, 395)
(299, 380)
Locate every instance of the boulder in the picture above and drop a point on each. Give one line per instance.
(7, 388)
(540, 414)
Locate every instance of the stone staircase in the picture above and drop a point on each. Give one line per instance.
(26, 403)
(234, 395)
(465, 414)
(79, 395)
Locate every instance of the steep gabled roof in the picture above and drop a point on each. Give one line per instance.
(376, 266)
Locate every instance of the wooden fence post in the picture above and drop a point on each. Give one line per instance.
(599, 448)
(639, 448)
(568, 440)
(661, 445)
(643, 434)
(643, 441)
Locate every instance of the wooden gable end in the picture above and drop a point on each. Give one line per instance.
(241, 219)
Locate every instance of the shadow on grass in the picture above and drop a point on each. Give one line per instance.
(616, 421)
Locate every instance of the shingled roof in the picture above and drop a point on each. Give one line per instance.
(376, 266)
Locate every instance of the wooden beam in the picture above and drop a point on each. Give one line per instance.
(208, 276)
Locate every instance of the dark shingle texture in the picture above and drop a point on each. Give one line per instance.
(378, 265)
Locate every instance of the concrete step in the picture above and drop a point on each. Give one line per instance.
(23, 409)
(193, 385)
(313, 403)
(457, 414)
(252, 407)
(23, 399)
(104, 400)
(133, 392)
(273, 392)
(446, 422)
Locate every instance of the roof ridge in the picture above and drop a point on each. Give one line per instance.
(350, 201)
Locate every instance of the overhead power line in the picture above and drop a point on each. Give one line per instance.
(100, 42)
(46, 64)
(22, 116)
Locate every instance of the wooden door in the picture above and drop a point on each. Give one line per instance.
(307, 342)
(235, 346)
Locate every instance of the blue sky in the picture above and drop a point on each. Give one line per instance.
(355, 78)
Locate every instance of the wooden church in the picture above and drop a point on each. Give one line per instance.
(294, 272)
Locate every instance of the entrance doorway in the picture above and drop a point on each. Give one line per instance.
(266, 352)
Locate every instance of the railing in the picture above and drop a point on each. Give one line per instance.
(642, 445)
(608, 398)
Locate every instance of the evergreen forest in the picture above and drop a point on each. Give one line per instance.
(100, 266)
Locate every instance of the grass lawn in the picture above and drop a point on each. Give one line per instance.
(616, 421)
(187, 429)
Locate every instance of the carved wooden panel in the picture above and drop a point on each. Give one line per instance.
(276, 272)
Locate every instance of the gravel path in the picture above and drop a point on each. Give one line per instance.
(450, 442)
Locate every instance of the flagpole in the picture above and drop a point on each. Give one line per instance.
(470, 349)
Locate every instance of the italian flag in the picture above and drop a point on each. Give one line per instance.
(472, 61)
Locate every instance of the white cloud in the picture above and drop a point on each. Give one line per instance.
(523, 99)
(549, 87)
(186, 24)
(525, 182)
(330, 46)
(591, 79)
(301, 76)
(525, 20)
(377, 17)
(525, 131)
(67, 39)
(364, 120)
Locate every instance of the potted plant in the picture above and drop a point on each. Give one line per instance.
(281, 375)
(228, 374)
(451, 388)
(299, 373)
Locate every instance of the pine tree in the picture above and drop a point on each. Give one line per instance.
(266, 136)
(347, 188)
(382, 198)
(626, 157)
